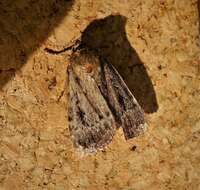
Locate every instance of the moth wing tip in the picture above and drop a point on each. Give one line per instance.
(143, 126)
(141, 129)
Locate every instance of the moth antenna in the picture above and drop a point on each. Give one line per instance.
(63, 91)
(74, 47)
(61, 95)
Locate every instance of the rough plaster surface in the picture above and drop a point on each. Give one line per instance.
(154, 44)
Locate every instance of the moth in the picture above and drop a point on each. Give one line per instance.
(99, 102)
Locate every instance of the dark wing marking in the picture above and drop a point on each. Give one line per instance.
(125, 108)
(91, 122)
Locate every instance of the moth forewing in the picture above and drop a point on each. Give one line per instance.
(91, 123)
(125, 107)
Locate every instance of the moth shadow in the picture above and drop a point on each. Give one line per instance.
(24, 25)
(108, 37)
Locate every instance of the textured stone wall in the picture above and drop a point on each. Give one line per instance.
(154, 45)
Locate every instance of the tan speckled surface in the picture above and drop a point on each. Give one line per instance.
(155, 46)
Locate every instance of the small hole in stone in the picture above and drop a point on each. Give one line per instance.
(133, 148)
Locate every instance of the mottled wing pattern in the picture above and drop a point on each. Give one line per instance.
(126, 110)
(91, 123)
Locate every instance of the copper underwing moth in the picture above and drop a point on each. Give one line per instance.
(99, 102)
